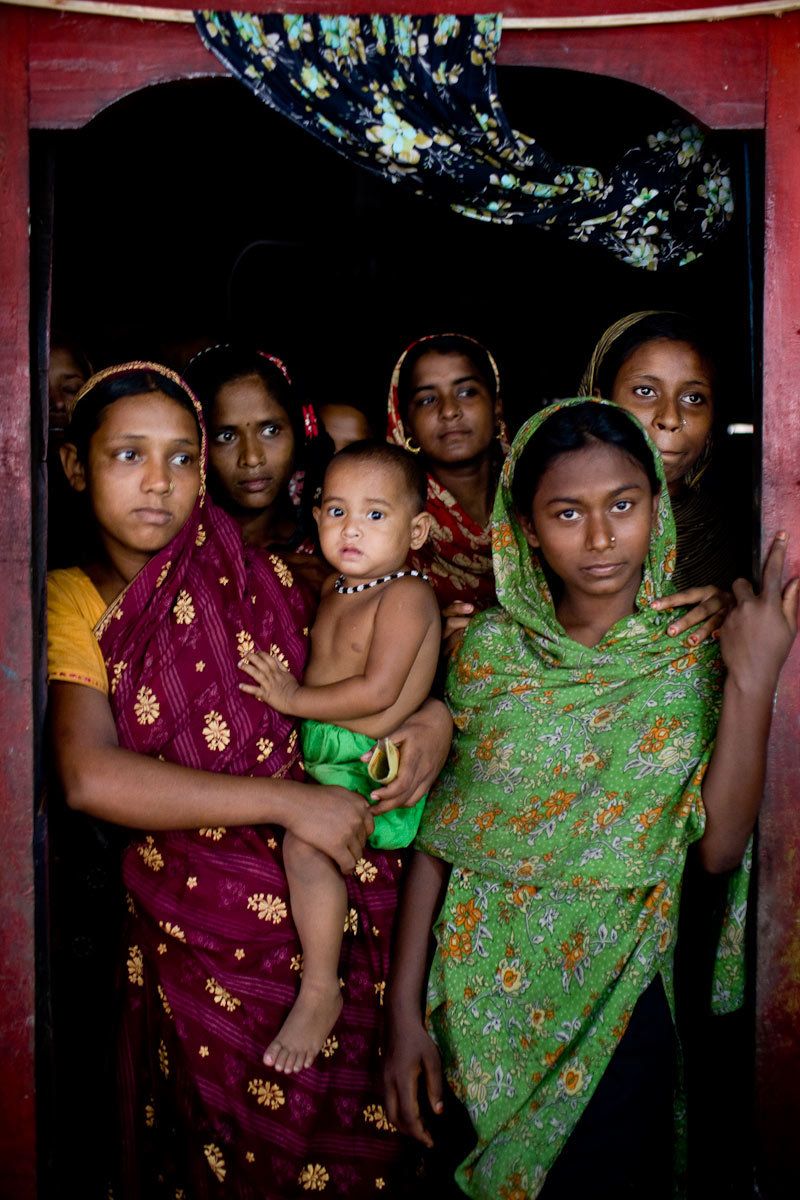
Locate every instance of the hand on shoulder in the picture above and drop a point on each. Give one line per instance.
(708, 607)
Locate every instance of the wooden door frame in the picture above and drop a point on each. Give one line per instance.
(58, 72)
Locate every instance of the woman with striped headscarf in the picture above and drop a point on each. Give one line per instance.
(444, 404)
(660, 366)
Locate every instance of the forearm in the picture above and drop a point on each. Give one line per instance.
(734, 782)
(131, 789)
(422, 897)
(348, 699)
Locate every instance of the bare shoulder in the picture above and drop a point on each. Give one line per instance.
(413, 593)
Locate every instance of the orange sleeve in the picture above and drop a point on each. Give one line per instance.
(73, 609)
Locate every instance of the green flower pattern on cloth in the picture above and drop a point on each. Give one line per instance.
(567, 807)
(414, 99)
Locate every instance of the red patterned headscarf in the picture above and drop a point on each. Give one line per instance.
(172, 640)
(457, 557)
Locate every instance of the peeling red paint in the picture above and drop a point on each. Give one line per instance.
(17, 1128)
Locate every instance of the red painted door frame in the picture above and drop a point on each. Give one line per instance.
(58, 71)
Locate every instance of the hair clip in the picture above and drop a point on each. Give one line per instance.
(310, 421)
(276, 362)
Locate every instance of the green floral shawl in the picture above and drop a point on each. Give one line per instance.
(567, 806)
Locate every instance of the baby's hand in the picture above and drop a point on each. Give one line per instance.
(274, 684)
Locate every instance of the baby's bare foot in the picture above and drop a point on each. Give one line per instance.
(303, 1033)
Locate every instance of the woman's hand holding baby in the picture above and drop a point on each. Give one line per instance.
(334, 820)
(424, 743)
(274, 683)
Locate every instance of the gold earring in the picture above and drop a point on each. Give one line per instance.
(411, 446)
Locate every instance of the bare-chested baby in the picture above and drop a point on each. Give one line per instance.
(374, 651)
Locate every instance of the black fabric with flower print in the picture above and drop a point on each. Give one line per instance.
(414, 99)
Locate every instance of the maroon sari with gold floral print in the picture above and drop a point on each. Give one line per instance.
(213, 959)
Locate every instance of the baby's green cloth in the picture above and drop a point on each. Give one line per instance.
(333, 756)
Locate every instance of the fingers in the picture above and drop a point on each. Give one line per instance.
(703, 619)
(402, 1106)
(253, 669)
(403, 792)
(706, 630)
(402, 734)
(262, 666)
(686, 599)
(773, 566)
(692, 618)
(358, 828)
(789, 601)
(742, 590)
(387, 804)
(454, 625)
(458, 608)
(353, 851)
(391, 1099)
(434, 1084)
(708, 606)
(263, 669)
(369, 824)
(252, 689)
(346, 861)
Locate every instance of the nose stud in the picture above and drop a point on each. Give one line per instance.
(612, 540)
(171, 487)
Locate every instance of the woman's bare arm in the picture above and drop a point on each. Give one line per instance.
(756, 640)
(101, 778)
(410, 1052)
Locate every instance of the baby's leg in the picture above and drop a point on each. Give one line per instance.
(319, 903)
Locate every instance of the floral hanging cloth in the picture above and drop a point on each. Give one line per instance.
(414, 99)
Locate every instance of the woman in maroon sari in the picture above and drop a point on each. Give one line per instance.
(143, 657)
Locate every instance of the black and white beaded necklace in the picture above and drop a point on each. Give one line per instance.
(338, 583)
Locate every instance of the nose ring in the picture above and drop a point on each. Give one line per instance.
(171, 487)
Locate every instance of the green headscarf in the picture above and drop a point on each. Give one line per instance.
(567, 807)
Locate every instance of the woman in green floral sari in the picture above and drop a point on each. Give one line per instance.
(584, 765)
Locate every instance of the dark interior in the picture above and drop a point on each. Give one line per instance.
(190, 213)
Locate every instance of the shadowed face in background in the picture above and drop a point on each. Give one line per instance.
(251, 444)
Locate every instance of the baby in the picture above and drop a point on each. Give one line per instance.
(374, 651)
